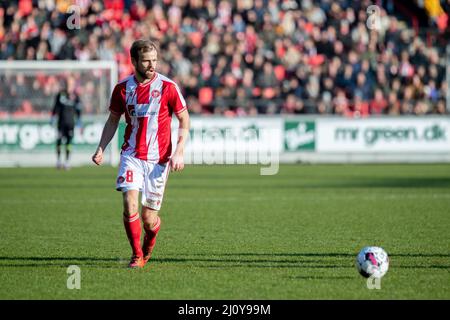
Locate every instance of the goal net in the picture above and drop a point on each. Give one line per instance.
(27, 97)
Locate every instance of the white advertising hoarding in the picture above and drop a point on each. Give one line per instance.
(252, 140)
(232, 141)
(32, 143)
(383, 135)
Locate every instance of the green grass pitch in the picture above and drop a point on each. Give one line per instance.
(230, 233)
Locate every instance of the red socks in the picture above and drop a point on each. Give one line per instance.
(133, 227)
(150, 235)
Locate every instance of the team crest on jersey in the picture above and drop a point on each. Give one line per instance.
(155, 94)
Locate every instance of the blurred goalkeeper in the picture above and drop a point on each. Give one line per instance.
(147, 99)
(67, 113)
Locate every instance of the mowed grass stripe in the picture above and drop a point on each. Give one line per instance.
(229, 233)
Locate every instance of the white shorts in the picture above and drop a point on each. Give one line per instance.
(147, 177)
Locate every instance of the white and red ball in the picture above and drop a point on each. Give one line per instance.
(372, 262)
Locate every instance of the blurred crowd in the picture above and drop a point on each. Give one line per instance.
(247, 57)
(33, 93)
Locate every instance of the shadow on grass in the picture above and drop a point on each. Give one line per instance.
(333, 254)
(230, 260)
(351, 183)
(321, 278)
(61, 262)
(59, 258)
(57, 186)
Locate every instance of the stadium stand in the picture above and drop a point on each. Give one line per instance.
(248, 57)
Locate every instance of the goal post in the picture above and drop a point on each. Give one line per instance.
(27, 97)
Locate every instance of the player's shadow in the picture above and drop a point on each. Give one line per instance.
(321, 277)
(57, 186)
(262, 260)
(24, 262)
(334, 254)
(331, 260)
(351, 183)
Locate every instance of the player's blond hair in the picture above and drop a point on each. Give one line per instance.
(142, 45)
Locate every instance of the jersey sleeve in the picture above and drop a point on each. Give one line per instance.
(117, 103)
(176, 102)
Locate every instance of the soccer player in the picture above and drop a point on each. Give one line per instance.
(67, 110)
(148, 100)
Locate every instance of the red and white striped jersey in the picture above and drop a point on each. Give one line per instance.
(148, 112)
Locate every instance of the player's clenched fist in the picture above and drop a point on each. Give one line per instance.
(98, 156)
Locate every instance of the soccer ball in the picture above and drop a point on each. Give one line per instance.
(372, 262)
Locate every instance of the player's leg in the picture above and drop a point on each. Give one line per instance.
(69, 137)
(152, 197)
(58, 149)
(152, 224)
(129, 181)
(132, 225)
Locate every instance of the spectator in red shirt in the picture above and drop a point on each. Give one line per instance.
(379, 103)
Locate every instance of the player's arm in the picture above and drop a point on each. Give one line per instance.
(108, 133)
(177, 161)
